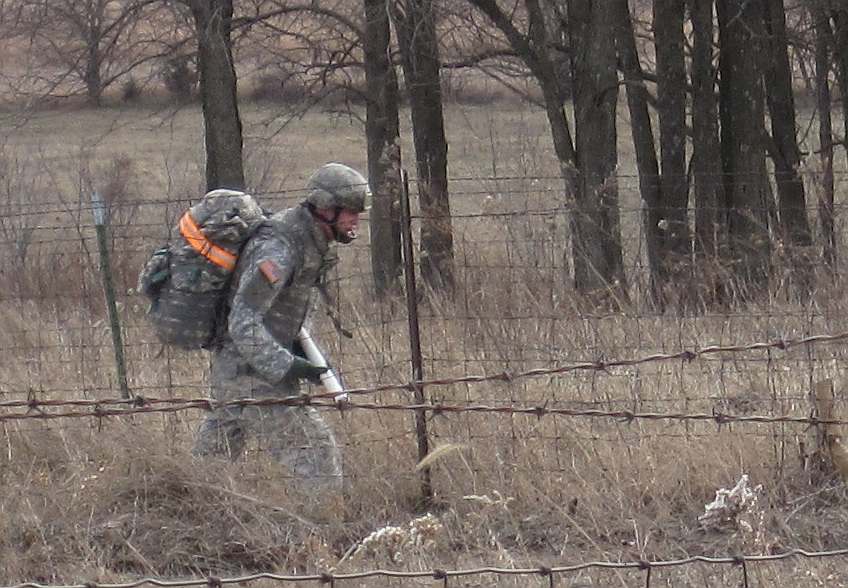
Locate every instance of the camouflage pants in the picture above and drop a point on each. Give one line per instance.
(296, 436)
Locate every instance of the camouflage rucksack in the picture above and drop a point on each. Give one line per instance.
(187, 281)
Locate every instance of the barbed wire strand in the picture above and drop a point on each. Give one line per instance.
(441, 574)
(169, 405)
(598, 365)
(141, 404)
(80, 209)
(32, 403)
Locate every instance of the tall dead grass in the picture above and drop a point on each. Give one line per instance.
(118, 498)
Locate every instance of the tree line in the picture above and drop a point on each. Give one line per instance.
(709, 86)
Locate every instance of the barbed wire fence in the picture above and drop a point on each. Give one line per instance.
(549, 575)
(140, 403)
(510, 348)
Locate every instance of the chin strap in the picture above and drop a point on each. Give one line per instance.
(314, 212)
(321, 286)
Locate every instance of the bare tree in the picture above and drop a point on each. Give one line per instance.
(674, 238)
(839, 15)
(415, 22)
(588, 168)
(598, 263)
(218, 93)
(83, 47)
(794, 226)
(470, 42)
(382, 130)
(706, 149)
(644, 144)
(742, 113)
(638, 99)
(823, 50)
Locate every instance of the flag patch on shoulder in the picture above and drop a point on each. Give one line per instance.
(271, 271)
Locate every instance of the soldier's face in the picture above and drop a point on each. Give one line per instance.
(346, 225)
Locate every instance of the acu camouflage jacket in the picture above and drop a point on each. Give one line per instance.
(270, 297)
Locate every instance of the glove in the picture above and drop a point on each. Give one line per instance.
(304, 369)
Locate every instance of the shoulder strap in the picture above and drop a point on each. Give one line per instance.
(198, 241)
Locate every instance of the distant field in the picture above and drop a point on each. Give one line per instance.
(120, 497)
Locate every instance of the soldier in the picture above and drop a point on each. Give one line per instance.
(269, 301)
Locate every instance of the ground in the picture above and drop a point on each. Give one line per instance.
(115, 498)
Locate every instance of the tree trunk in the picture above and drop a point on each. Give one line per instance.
(643, 144)
(706, 153)
(383, 136)
(224, 164)
(598, 259)
(743, 154)
(824, 37)
(416, 30)
(794, 226)
(596, 236)
(94, 35)
(675, 241)
(93, 81)
(839, 14)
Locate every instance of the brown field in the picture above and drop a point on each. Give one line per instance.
(115, 498)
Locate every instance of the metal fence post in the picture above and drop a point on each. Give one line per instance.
(100, 224)
(414, 338)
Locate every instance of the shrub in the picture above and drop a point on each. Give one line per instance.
(131, 90)
(180, 77)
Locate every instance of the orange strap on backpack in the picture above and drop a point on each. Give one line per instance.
(198, 241)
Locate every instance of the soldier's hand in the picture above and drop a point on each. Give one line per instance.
(304, 369)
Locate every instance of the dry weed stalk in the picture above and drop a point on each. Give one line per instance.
(418, 538)
(567, 489)
(738, 511)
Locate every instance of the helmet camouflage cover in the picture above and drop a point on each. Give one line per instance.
(335, 185)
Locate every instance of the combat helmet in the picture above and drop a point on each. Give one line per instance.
(335, 185)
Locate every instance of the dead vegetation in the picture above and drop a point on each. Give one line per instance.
(118, 498)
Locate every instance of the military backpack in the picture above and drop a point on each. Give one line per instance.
(187, 280)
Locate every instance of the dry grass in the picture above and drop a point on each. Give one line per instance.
(120, 498)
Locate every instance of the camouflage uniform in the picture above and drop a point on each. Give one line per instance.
(269, 301)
